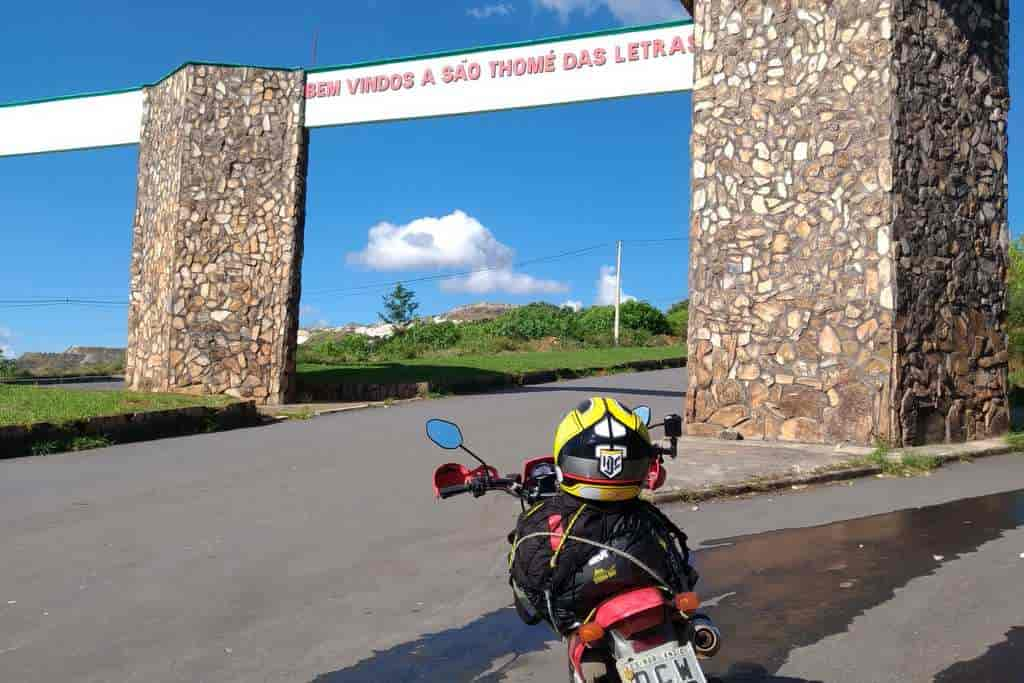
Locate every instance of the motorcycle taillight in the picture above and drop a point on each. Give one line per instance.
(648, 640)
(640, 622)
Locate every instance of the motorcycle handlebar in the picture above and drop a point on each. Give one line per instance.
(449, 491)
(671, 451)
(479, 485)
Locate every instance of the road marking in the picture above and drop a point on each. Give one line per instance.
(713, 602)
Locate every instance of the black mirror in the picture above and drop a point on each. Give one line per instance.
(445, 434)
(673, 426)
(644, 413)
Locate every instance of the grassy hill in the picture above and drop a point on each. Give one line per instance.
(77, 360)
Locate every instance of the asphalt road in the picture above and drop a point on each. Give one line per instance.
(314, 550)
(83, 386)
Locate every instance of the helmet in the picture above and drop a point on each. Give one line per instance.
(602, 451)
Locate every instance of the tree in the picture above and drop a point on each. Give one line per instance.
(399, 306)
(683, 305)
(1015, 288)
(678, 317)
(640, 315)
(594, 324)
(7, 367)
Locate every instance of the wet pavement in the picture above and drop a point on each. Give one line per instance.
(793, 588)
(776, 592)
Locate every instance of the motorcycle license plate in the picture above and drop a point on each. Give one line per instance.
(670, 663)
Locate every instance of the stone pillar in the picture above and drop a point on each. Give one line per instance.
(950, 231)
(848, 220)
(217, 238)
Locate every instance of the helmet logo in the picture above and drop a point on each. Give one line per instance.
(610, 460)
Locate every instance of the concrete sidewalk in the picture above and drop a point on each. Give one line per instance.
(705, 468)
(712, 468)
(709, 468)
(303, 411)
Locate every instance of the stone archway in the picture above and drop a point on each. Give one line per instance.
(848, 223)
(849, 220)
(217, 238)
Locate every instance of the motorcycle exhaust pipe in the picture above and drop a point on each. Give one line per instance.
(707, 639)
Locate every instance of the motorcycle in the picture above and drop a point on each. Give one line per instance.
(644, 635)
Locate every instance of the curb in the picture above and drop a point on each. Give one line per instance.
(57, 381)
(755, 485)
(361, 392)
(19, 440)
(283, 416)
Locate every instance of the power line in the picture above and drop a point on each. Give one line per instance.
(65, 301)
(445, 276)
(356, 290)
(62, 300)
(657, 241)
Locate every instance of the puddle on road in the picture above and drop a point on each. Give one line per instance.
(795, 587)
(459, 654)
(783, 590)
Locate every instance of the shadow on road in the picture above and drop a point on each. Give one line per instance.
(603, 391)
(1002, 663)
(467, 653)
(745, 672)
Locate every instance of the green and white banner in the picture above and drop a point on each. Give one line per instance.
(596, 66)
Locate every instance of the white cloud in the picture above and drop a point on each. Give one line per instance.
(501, 9)
(6, 350)
(502, 280)
(307, 313)
(606, 288)
(626, 11)
(574, 305)
(454, 241)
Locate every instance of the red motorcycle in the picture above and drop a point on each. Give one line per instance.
(649, 634)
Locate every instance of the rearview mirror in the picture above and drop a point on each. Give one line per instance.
(644, 413)
(445, 434)
(673, 426)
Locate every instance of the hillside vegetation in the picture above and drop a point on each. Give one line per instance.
(76, 361)
(1015, 315)
(454, 369)
(536, 327)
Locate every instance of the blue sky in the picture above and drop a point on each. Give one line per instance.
(518, 185)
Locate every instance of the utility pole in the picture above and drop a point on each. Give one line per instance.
(618, 286)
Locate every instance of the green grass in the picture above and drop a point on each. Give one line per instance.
(78, 443)
(25, 405)
(908, 464)
(459, 368)
(1015, 440)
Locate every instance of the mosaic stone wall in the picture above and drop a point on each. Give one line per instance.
(152, 266)
(804, 115)
(217, 238)
(950, 236)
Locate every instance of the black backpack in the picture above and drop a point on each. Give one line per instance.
(558, 576)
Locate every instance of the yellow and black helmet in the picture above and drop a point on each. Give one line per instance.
(602, 451)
